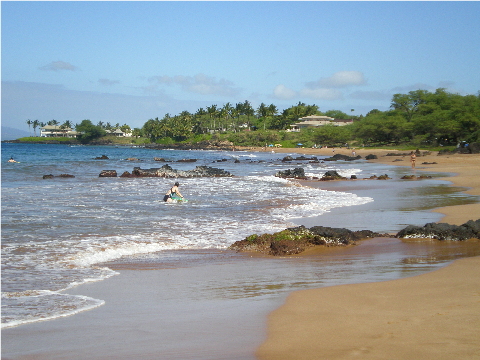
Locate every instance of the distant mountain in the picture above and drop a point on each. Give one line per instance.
(9, 133)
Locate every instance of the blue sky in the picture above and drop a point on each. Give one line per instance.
(127, 62)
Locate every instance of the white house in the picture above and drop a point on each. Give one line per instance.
(318, 120)
(57, 131)
(119, 133)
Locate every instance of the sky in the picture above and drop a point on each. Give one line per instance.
(129, 61)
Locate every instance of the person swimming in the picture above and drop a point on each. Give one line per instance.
(12, 160)
(174, 191)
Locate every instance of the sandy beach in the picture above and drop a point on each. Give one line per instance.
(431, 316)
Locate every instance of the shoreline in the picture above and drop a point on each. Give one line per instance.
(430, 315)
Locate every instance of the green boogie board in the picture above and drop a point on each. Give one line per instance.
(178, 198)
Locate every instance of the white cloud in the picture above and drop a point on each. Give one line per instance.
(340, 79)
(199, 84)
(321, 94)
(283, 93)
(59, 65)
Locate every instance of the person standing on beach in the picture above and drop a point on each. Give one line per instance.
(413, 158)
(173, 190)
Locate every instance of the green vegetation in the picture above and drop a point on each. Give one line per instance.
(418, 119)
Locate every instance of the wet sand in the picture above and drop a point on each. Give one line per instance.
(214, 305)
(435, 315)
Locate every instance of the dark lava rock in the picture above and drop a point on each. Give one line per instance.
(443, 231)
(383, 177)
(343, 157)
(103, 157)
(50, 176)
(287, 158)
(108, 173)
(371, 157)
(187, 160)
(166, 171)
(332, 175)
(297, 173)
(414, 177)
(296, 240)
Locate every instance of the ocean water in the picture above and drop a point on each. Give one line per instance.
(58, 233)
(55, 232)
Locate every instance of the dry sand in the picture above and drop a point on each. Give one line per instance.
(431, 316)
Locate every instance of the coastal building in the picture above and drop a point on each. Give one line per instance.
(119, 133)
(318, 120)
(57, 131)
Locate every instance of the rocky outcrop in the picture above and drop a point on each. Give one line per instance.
(166, 171)
(371, 157)
(443, 231)
(103, 157)
(296, 240)
(297, 173)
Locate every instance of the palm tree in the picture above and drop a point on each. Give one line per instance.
(67, 124)
(212, 111)
(248, 110)
(35, 124)
(29, 123)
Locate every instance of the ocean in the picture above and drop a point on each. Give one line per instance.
(60, 233)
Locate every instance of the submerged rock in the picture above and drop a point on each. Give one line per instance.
(103, 157)
(50, 176)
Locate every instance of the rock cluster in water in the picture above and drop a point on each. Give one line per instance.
(443, 231)
(166, 171)
(296, 240)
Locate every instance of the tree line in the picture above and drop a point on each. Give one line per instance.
(418, 118)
